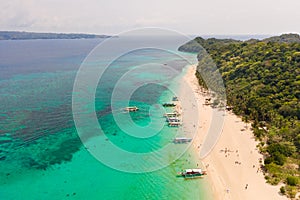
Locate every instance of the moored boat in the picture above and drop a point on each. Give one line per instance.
(173, 114)
(192, 173)
(169, 105)
(181, 140)
(172, 119)
(131, 109)
(174, 124)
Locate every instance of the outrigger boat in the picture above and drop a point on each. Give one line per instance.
(174, 124)
(169, 105)
(131, 109)
(173, 119)
(182, 140)
(173, 114)
(192, 173)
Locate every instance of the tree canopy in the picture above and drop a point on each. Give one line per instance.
(262, 81)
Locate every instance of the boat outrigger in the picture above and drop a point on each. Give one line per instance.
(131, 109)
(192, 173)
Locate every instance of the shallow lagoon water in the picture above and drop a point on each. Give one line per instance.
(41, 155)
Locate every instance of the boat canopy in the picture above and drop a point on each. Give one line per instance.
(193, 170)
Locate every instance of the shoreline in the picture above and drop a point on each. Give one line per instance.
(233, 165)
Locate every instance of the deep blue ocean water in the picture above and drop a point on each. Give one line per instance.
(41, 155)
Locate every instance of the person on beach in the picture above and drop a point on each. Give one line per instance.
(246, 187)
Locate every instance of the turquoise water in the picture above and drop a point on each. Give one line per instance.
(41, 155)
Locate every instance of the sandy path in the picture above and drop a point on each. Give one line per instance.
(233, 164)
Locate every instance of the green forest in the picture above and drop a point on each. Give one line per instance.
(262, 81)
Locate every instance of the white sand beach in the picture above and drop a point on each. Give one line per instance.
(233, 165)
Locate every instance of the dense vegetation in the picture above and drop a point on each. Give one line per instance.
(262, 81)
(16, 35)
